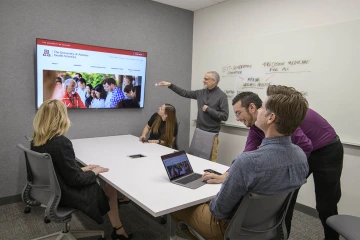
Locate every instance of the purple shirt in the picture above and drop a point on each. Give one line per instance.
(314, 133)
(256, 135)
(317, 129)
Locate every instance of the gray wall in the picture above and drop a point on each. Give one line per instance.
(162, 31)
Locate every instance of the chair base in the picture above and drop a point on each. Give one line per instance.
(71, 235)
(182, 226)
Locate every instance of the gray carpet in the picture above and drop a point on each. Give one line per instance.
(14, 224)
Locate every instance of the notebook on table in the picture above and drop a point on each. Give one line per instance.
(179, 170)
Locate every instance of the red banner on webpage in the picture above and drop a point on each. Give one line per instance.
(89, 48)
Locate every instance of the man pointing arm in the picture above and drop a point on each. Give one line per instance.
(212, 104)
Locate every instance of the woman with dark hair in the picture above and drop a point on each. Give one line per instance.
(88, 97)
(100, 96)
(162, 126)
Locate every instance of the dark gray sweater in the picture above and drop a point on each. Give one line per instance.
(278, 166)
(217, 111)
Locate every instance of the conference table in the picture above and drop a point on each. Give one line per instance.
(144, 179)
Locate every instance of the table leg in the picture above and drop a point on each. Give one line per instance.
(171, 228)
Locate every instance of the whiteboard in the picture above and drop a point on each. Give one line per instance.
(323, 62)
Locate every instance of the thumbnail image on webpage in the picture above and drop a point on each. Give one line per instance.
(92, 90)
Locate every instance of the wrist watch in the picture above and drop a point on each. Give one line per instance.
(159, 141)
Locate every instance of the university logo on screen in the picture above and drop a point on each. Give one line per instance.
(46, 53)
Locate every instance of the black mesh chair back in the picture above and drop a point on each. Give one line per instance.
(42, 187)
(42, 184)
(202, 144)
(260, 217)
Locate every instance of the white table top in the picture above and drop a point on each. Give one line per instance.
(144, 180)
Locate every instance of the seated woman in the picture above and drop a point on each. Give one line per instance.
(162, 126)
(79, 189)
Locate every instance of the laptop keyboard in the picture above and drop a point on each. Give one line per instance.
(189, 178)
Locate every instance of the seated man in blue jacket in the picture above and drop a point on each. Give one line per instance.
(278, 166)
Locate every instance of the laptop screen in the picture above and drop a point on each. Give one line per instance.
(176, 164)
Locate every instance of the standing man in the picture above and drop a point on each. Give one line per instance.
(212, 105)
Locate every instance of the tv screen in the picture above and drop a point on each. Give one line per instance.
(84, 76)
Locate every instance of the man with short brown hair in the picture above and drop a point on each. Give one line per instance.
(277, 167)
(325, 163)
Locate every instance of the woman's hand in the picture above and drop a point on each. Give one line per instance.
(142, 138)
(89, 167)
(99, 169)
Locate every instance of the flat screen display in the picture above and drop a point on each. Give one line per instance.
(84, 76)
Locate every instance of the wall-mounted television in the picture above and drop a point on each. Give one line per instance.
(84, 76)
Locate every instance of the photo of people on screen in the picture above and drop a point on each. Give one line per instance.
(177, 167)
(92, 90)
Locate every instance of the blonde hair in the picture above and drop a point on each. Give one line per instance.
(50, 120)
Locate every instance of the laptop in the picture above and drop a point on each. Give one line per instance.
(179, 170)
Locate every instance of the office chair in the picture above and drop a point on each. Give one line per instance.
(258, 217)
(175, 143)
(27, 199)
(202, 144)
(347, 226)
(42, 187)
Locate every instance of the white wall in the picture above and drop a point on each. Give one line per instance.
(233, 19)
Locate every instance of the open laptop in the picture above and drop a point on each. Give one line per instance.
(179, 170)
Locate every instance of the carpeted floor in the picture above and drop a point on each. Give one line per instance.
(14, 224)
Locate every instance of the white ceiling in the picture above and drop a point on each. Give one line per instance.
(192, 5)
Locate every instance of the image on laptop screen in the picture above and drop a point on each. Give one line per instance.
(177, 165)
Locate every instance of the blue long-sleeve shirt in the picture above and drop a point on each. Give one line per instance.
(278, 166)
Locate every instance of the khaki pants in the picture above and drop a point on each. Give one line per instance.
(202, 221)
(214, 152)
